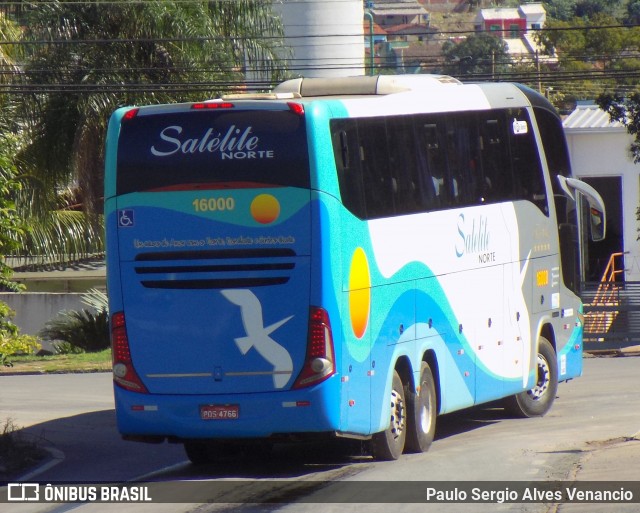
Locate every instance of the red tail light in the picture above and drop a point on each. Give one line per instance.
(212, 105)
(123, 372)
(296, 108)
(130, 114)
(320, 362)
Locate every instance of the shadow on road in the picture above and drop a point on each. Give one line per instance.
(92, 451)
(457, 423)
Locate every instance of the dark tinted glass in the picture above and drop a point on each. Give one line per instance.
(204, 148)
(405, 164)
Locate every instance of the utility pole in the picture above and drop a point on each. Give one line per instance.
(369, 16)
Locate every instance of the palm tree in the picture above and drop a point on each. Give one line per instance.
(86, 59)
(11, 224)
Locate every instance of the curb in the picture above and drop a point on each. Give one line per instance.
(56, 456)
(45, 373)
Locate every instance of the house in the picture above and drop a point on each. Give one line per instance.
(516, 26)
(511, 22)
(534, 14)
(390, 13)
(600, 155)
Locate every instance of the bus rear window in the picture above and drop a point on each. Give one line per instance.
(205, 149)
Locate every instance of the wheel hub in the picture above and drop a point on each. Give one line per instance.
(543, 379)
(397, 414)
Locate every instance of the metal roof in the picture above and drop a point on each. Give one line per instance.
(499, 13)
(533, 9)
(397, 8)
(590, 117)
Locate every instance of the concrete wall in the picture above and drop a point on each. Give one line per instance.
(34, 309)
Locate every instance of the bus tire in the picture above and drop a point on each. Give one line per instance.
(421, 412)
(198, 452)
(537, 401)
(389, 444)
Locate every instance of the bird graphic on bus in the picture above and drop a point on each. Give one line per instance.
(258, 336)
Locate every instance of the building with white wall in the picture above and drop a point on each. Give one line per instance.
(600, 155)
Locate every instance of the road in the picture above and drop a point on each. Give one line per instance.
(74, 413)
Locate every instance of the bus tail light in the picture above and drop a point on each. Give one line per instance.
(130, 114)
(123, 372)
(212, 105)
(296, 108)
(320, 361)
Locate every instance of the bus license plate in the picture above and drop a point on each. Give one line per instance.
(219, 411)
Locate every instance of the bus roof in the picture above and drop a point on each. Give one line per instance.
(363, 85)
(398, 94)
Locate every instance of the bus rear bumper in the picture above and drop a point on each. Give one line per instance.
(150, 417)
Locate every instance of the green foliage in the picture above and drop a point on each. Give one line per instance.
(594, 53)
(568, 9)
(12, 226)
(86, 329)
(66, 348)
(127, 53)
(11, 341)
(479, 54)
(626, 110)
(633, 12)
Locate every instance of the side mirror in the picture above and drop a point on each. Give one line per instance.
(597, 215)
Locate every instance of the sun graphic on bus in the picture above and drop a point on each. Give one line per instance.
(359, 293)
(265, 208)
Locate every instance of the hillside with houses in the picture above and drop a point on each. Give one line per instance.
(408, 35)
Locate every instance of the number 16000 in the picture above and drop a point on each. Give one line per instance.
(213, 204)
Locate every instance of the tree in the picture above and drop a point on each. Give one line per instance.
(625, 110)
(481, 54)
(593, 54)
(633, 12)
(86, 59)
(12, 226)
(562, 10)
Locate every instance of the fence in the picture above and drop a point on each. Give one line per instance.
(612, 310)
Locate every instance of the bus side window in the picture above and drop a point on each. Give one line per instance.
(376, 175)
(407, 189)
(497, 177)
(525, 158)
(431, 165)
(344, 135)
(460, 163)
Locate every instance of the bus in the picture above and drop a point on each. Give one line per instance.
(346, 257)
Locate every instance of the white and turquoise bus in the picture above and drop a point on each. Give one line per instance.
(342, 257)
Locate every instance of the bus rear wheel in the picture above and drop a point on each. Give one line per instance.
(538, 400)
(389, 444)
(421, 412)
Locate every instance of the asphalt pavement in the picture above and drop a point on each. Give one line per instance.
(610, 460)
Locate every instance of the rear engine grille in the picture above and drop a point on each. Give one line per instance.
(221, 269)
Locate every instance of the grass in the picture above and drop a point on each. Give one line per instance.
(83, 362)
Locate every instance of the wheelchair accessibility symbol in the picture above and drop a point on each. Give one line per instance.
(125, 218)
